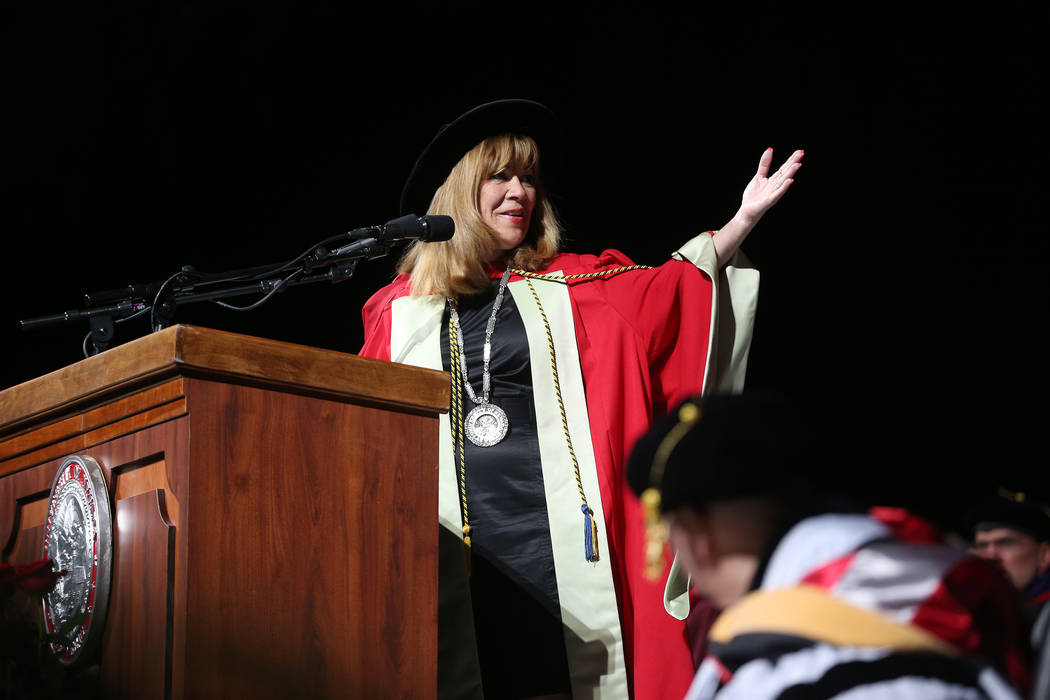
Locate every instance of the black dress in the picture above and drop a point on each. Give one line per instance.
(517, 619)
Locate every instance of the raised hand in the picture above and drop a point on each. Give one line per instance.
(766, 189)
(761, 193)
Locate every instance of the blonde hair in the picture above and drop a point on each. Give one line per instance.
(457, 266)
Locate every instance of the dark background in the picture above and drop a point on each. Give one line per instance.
(903, 287)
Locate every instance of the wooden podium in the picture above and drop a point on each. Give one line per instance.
(274, 513)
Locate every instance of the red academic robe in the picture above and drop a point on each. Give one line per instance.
(644, 341)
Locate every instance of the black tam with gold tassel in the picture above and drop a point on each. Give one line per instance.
(714, 448)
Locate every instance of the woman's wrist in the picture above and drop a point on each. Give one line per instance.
(728, 238)
(744, 221)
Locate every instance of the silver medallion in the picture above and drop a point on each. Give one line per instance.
(486, 425)
(79, 539)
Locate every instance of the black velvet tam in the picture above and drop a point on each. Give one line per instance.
(454, 139)
(740, 446)
(1016, 511)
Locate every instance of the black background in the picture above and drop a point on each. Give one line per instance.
(903, 283)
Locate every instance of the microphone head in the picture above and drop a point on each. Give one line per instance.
(437, 228)
(410, 226)
(425, 228)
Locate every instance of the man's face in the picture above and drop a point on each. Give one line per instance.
(711, 555)
(1021, 556)
(689, 541)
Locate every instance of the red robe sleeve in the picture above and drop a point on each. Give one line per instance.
(643, 338)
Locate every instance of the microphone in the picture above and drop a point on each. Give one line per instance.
(425, 228)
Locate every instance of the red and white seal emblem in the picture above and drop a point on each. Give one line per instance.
(79, 539)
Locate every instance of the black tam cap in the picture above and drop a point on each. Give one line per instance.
(1013, 510)
(725, 447)
(454, 139)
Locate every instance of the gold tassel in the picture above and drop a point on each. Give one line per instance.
(466, 546)
(655, 535)
(594, 537)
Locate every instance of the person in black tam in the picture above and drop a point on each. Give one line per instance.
(817, 596)
(1012, 530)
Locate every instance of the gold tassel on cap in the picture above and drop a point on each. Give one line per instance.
(655, 534)
(1020, 497)
(655, 528)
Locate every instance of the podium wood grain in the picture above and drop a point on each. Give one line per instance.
(275, 529)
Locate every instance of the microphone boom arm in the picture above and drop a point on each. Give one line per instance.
(189, 286)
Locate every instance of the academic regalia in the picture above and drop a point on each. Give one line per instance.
(639, 340)
(855, 603)
(843, 602)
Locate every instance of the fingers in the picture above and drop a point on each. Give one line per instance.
(764, 162)
(778, 190)
(788, 169)
(766, 188)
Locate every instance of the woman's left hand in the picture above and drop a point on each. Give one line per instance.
(766, 189)
(761, 193)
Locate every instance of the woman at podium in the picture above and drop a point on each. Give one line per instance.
(558, 362)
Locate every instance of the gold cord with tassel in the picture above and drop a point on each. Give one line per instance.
(457, 437)
(590, 535)
(655, 528)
